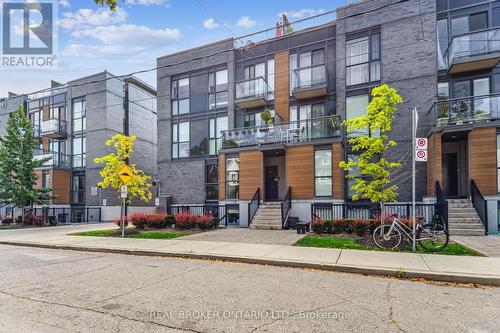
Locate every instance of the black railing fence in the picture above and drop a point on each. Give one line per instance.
(253, 206)
(326, 210)
(286, 205)
(218, 211)
(62, 215)
(441, 204)
(479, 203)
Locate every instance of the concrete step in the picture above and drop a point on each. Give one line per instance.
(465, 226)
(464, 220)
(265, 227)
(460, 206)
(461, 212)
(462, 216)
(458, 201)
(466, 232)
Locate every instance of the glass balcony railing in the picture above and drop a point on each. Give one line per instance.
(466, 110)
(252, 88)
(54, 126)
(289, 132)
(55, 159)
(310, 77)
(473, 44)
(36, 131)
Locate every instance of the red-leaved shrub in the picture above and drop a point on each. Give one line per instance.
(139, 220)
(185, 220)
(117, 221)
(7, 220)
(318, 226)
(205, 222)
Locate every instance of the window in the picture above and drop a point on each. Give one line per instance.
(212, 181)
(180, 96)
(270, 79)
(199, 138)
(216, 126)
(301, 116)
(442, 42)
(79, 115)
(45, 179)
(323, 172)
(232, 177)
(363, 59)
(79, 151)
(180, 140)
(352, 172)
(356, 107)
(498, 162)
(217, 87)
(309, 70)
(78, 189)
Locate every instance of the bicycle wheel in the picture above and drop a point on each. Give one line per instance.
(384, 240)
(433, 237)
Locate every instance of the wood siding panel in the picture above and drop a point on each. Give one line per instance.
(281, 84)
(300, 171)
(222, 177)
(45, 144)
(483, 159)
(337, 172)
(251, 173)
(60, 180)
(434, 163)
(45, 113)
(38, 175)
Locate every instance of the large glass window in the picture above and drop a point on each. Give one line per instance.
(442, 42)
(356, 107)
(498, 163)
(218, 84)
(45, 179)
(216, 126)
(180, 140)
(180, 96)
(363, 60)
(212, 180)
(199, 138)
(323, 172)
(308, 71)
(79, 115)
(78, 189)
(79, 148)
(232, 177)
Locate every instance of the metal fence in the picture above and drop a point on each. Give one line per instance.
(218, 211)
(369, 211)
(62, 215)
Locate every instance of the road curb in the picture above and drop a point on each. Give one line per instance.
(400, 273)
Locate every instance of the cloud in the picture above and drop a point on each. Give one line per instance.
(146, 2)
(84, 18)
(246, 22)
(119, 40)
(306, 12)
(65, 3)
(210, 24)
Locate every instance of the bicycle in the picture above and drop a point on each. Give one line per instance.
(430, 236)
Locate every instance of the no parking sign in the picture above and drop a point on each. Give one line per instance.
(421, 149)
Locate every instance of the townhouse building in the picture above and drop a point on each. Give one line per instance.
(71, 122)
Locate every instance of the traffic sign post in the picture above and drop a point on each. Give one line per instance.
(125, 174)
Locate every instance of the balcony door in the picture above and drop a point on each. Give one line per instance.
(470, 104)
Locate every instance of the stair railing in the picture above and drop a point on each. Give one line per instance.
(441, 207)
(286, 205)
(253, 206)
(480, 204)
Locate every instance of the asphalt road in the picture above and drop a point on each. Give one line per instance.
(44, 290)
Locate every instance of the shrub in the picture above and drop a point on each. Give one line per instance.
(360, 227)
(185, 220)
(205, 222)
(318, 226)
(30, 219)
(117, 221)
(328, 226)
(7, 220)
(52, 220)
(37, 220)
(140, 219)
(19, 219)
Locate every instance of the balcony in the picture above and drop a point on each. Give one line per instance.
(468, 110)
(284, 133)
(310, 82)
(251, 93)
(473, 51)
(55, 159)
(37, 133)
(54, 128)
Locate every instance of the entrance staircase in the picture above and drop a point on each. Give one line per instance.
(267, 217)
(463, 219)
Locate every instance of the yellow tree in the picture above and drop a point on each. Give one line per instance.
(139, 185)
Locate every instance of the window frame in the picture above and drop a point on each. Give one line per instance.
(217, 135)
(211, 163)
(227, 180)
(176, 140)
(176, 98)
(215, 90)
(372, 59)
(316, 150)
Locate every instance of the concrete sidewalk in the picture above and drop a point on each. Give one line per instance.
(482, 270)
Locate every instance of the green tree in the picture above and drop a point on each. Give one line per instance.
(372, 165)
(112, 4)
(17, 176)
(139, 185)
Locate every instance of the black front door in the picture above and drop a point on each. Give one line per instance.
(272, 180)
(450, 165)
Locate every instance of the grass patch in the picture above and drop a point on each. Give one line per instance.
(339, 242)
(8, 227)
(146, 234)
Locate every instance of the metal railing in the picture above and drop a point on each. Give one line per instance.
(294, 131)
(473, 109)
(286, 205)
(63, 215)
(218, 211)
(473, 44)
(326, 210)
(441, 204)
(54, 125)
(56, 159)
(308, 77)
(252, 88)
(480, 204)
(253, 206)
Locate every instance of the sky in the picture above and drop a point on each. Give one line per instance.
(92, 39)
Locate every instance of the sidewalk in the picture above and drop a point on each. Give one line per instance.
(482, 270)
